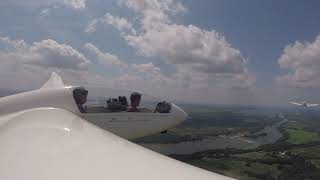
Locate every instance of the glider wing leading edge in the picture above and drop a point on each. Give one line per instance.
(52, 143)
(295, 103)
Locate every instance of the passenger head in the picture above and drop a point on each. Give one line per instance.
(135, 99)
(80, 95)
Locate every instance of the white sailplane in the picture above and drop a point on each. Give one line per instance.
(304, 104)
(65, 132)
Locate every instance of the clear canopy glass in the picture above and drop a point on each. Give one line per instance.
(104, 100)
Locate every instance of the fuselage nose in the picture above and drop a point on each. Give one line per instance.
(180, 114)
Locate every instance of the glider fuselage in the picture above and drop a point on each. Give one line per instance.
(128, 125)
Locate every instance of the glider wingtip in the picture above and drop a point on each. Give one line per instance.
(54, 81)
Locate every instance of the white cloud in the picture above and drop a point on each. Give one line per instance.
(26, 65)
(151, 74)
(76, 4)
(46, 53)
(303, 60)
(9, 44)
(105, 58)
(201, 61)
(201, 58)
(49, 53)
(28, 2)
(146, 68)
(208, 51)
(91, 27)
(120, 23)
(44, 12)
(155, 11)
(133, 76)
(177, 44)
(206, 55)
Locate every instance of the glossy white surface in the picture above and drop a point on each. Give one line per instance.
(55, 81)
(127, 125)
(49, 143)
(132, 125)
(56, 97)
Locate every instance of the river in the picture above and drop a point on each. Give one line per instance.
(219, 142)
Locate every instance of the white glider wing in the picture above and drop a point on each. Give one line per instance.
(312, 105)
(55, 81)
(54, 144)
(295, 103)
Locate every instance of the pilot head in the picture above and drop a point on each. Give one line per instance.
(80, 95)
(135, 99)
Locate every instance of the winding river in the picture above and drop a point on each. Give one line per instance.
(219, 142)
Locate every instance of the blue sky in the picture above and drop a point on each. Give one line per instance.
(260, 29)
(229, 52)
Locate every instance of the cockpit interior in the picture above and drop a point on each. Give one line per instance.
(102, 100)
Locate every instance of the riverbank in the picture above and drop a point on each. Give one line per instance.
(290, 157)
(272, 134)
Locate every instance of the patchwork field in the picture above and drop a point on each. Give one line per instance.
(301, 136)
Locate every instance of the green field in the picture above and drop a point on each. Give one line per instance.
(252, 155)
(300, 136)
(308, 153)
(239, 169)
(295, 156)
(292, 124)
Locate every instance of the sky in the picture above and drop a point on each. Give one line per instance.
(211, 51)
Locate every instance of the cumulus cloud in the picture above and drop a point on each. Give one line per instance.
(45, 12)
(207, 51)
(105, 58)
(20, 61)
(150, 73)
(9, 44)
(46, 53)
(302, 59)
(177, 44)
(205, 54)
(120, 23)
(27, 66)
(28, 2)
(76, 4)
(49, 53)
(148, 68)
(136, 76)
(200, 60)
(155, 11)
(91, 27)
